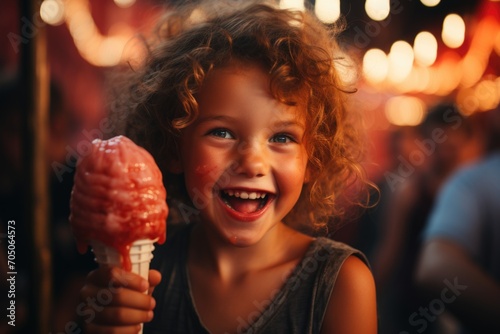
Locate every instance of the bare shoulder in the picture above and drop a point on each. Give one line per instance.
(352, 307)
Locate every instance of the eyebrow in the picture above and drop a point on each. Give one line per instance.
(207, 119)
(284, 124)
(279, 124)
(214, 118)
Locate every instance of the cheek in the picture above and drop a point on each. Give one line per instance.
(202, 171)
(293, 174)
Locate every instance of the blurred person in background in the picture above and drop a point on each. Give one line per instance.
(460, 259)
(427, 155)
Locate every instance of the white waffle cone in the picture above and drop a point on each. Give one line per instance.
(141, 253)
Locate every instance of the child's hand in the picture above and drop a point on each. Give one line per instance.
(113, 300)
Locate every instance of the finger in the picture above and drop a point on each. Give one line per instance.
(99, 329)
(112, 296)
(114, 277)
(154, 280)
(120, 316)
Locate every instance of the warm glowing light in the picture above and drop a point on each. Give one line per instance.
(292, 4)
(347, 70)
(405, 110)
(110, 50)
(416, 81)
(453, 33)
(423, 77)
(430, 3)
(375, 65)
(377, 10)
(52, 12)
(497, 43)
(328, 11)
(425, 48)
(487, 95)
(449, 73)
(400, 61)
(433, 83)
(473, 68)
(467, 102)
(124, 3)
(95, 48)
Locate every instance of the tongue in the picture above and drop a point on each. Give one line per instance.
(244, 205)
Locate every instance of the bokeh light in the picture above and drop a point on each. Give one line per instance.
(375, 66)
(453, 33)
(430, 3)
(292, 4)
(400, 61)
(405, 110)
(52, 12)
(377, 10)
(425, 48)
(328, 11)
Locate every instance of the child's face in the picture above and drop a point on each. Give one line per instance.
(244, 158)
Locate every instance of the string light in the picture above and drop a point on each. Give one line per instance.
(375, 66)
(328, 11)
(405, 70)
(425, 48)
(430, 3)
(95, 48)
(377, 10)
(52, 12)
(347, 69)
(487, 95)
(292, 4)
(453, 33)
(404, 110)
(400, 61)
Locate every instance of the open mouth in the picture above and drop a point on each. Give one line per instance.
(245, 201)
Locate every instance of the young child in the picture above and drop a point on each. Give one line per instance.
(244, 112)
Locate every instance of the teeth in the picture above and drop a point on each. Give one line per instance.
(245, 195)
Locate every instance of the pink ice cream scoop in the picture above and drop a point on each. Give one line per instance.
(118, 197)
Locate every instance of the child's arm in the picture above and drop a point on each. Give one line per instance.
(352, 308)
(113, 301)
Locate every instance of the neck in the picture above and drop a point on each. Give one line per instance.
(230, 262)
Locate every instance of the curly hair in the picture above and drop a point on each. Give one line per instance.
(299, 53)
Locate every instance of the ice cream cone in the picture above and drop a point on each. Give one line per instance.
(141, 253)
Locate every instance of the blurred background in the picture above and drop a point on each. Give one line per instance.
(426, 74)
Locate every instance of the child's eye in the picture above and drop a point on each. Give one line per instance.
(282, 138)
(222, 133)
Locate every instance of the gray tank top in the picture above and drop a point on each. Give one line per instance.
(299, 306)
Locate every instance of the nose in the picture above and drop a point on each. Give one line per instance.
(252, 160)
